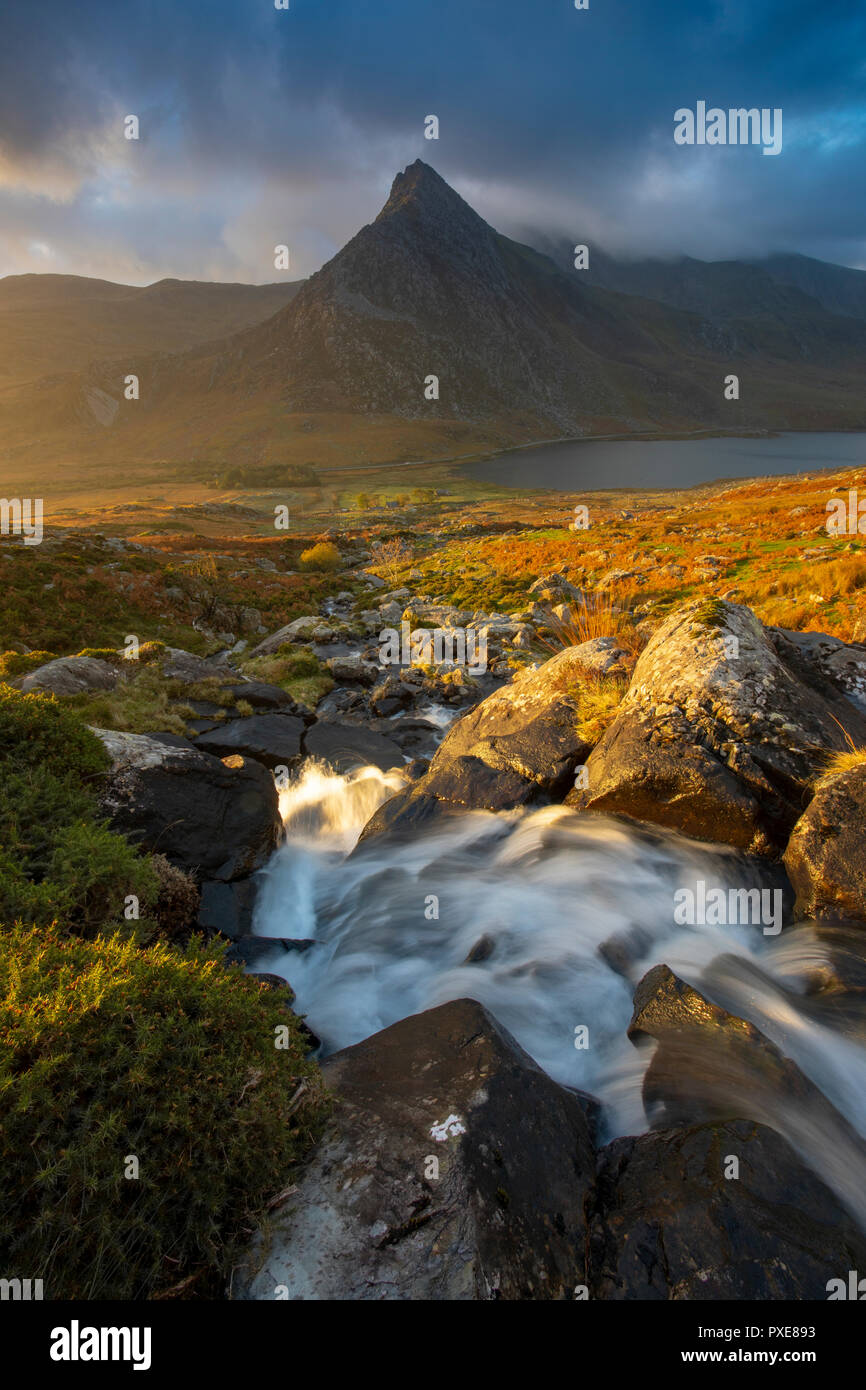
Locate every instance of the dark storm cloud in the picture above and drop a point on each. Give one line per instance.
(261, 126)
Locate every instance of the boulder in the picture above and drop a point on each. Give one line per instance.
(826, 854)
(345, 747)
(518, 746)
(263, 696)
(178, 665)
(70, 675)
(392, 696)
(823, 660)
(273, 739)
(453, 1169)
(710, 1065)
(212, 819)
(301, 630)
(716, 737)
(668, 1223)
(353, 668)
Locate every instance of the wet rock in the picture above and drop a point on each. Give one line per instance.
(667, 1223)
(213, 820)
(273, 739)
(70, 675)
(516, 747)
(709, 1064)
(227, 908)
(715, 736)
(453, 1168)
(481, 951)
(826, 854)
(345, 747)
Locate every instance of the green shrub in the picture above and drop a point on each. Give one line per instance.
(59, 861)
(109, 1051)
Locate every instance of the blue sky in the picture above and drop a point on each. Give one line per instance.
(261, 126)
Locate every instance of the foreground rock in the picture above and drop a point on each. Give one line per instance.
(216, 819)
(517, 747)
(826, 854)
(345, 747)
(273, 738)
(711, 1064)
(667, 1223)
(716, 737)
(71, 675)
(504, 1217)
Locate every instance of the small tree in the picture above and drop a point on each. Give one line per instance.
(391, 556)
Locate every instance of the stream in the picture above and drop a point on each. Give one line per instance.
(549, 919)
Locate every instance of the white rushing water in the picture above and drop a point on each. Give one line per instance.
(565, 914)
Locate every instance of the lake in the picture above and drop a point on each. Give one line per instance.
(584, 465)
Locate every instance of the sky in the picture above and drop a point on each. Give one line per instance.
(260, 127)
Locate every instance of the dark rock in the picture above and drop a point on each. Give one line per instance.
(273, 739)
(826, 854)
(251, 950)
(228, 908)
(504, 1217)
(391, 697)
(172, 740)
(712, 1065)
(668, 1224)
(263, 696)
(345, 747)
(213, 820)
(482, 950)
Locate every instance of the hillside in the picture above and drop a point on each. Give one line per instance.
(523, 349)
(53, 323)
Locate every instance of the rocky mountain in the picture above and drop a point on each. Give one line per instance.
(782, 307)
(440, 330)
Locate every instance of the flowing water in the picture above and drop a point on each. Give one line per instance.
(549, 919)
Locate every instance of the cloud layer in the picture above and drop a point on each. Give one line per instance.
(262, 126)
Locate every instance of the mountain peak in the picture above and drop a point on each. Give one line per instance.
(420, 193)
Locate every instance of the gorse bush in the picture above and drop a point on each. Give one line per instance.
(109, 1052)
(58, 861)
(324, 556)
(15, 664)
